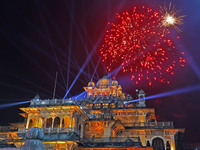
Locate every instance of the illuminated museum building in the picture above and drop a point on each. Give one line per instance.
(101, 121)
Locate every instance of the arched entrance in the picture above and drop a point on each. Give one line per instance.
(56, 122)
(41, 122)
(32, 123)
(158, 144)
(49, 122)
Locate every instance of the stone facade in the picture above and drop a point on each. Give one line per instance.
(105, 119)
(33, 140)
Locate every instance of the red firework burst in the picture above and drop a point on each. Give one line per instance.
(137, 44)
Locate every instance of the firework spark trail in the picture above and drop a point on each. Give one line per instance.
(136, 44)
(170, 17)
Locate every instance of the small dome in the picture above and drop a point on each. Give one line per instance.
(114, 82)
(141, 92)
(91, 84)
(105, 81)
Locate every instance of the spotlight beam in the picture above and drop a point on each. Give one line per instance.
(51, 43)
(20, 89)
(86, 37)
(115, 72)
(55, 26)
(84, 65)
(96, 99)
(29, 82)
(75, 97)
(85, 83)
(83, 42)
(39, 32)
(192, 63)
(3, 106)
(170, 93)
(27, 42)
(32, 26)
(113, 99)
(86, 75)
(69, 55)
(31, 58)
(95, 70)
(69, 49)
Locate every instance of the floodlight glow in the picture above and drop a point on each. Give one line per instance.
(13, 104)
(84, 65)
(96, 99)
(79, 96)
(170, 93)
(95, 70)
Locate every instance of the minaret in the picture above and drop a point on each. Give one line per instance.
(141, 95)
(90, 89)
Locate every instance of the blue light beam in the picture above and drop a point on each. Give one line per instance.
(84, 65)
(170, 93)
(79, 96)
(13, 104)
(95, 70)
(69, 50)
(96, 99)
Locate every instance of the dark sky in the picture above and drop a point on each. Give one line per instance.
(35, 41)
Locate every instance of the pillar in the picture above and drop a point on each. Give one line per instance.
(107, 130)
(52, 122)
(82, 131)
(172, 143)
(61, 121)
(45, 122)
(37, 120)
(28, 120)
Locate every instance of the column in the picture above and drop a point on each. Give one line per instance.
(82, 131)
(172, 143)
(28, 121)
(37, 119)
(45, 122)
(52, 122)
(61, 120)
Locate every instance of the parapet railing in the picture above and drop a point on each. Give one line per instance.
(7, 128)
(110, 139)
(10, 140)
(53, 130)
(103, 106)
(149, 124)
(38, 102)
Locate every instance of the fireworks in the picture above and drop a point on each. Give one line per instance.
(136, 43)
(170, 17)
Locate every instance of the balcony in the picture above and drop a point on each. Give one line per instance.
(7, 128)
(149, 125)
(52, 102)
(112, 141)
(53, 134)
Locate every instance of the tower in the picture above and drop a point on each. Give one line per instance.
(141, 97)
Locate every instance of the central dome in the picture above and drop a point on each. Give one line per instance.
(104, 82)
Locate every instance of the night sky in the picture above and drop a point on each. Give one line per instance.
(35, 38)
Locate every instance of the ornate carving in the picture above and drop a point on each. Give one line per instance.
(33, 142)
(35, 133)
